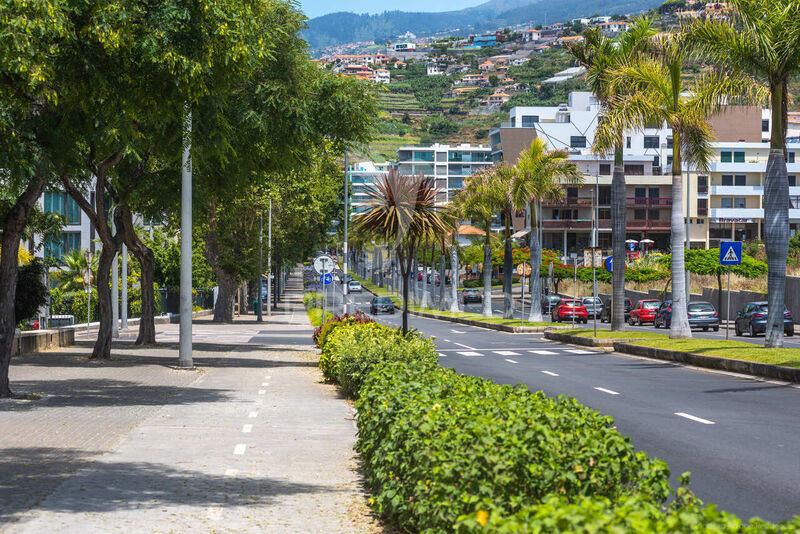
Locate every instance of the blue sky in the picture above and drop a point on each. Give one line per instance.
(315, 8)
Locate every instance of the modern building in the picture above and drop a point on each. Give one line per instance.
(362, 175)
(382, 76)
(448, 165)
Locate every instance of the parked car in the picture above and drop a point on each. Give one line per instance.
(644, 312)
(605, 313)
(472, 295)
(354, 286)
(753, 320)
(570, 309)
(550, 302)
(594, 306)
(381, 305)
(701, 315)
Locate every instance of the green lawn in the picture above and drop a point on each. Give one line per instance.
(608, 334)
(737, 350)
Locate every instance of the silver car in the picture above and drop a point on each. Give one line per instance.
(594, 306)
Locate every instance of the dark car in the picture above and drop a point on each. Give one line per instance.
(644, 312)
(594, 306)
(605, 313)
(569, 310)
(701, 315)
(472, 294)
(381, 305)
(753, 320)
(550, 302)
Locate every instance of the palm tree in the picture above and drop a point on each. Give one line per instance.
(452, 219)
(70, 276)
(505, 175)
(656, 93)
(538, 176)
(599, 54)
(762, 38)
(402, 210)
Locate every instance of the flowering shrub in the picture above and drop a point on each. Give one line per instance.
(322, 332)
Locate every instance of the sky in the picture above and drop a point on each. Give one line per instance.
(315, 8)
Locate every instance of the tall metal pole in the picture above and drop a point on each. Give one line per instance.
(114, 290)
(185, 351)
(687, 239)
(260, 317)
(124, 307)
(346, 217)
(728, 312)
(269, 261)
(596, 221)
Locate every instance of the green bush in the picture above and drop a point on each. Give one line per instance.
(312, 300)
(436, 446)
(352, 352)
(79, 306)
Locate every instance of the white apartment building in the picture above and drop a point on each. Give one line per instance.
(382, 76)
(361, 176)
(448, 165)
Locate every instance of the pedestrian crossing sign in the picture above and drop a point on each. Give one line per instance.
(730, 253)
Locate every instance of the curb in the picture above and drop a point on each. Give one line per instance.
(778, 372)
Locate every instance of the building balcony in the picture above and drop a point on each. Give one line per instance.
(574, 224)
(568, 201)
(737, 190)
(702, 190)
(636, 202)
(737, 214)
(643, 225)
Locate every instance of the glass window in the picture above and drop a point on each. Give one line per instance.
(628, 142)
(740, 180)
(56, 247)
(604, 214)
(727, 179)
(651, 141)
(792, 180)
(639, 215)
(654, 192)
(726, 202)
(529, 121)
(634, 170)
(653, 215)
(669, 142)
(702, 203)
(605, 169)
(740, 203)
(765, 125)
(726, 156)
(577, 141)
(423, 156)
(790, 157)
(64, 205)
(572, 192)
(738, 157)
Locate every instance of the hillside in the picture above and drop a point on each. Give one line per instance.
(344, 27)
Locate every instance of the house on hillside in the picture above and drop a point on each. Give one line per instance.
(434, 69)
(520, 61)
(564, 41)
(613, 28)
(382, 76)
(499, 97)
(530, 36)
(486, 66)
(471, 79)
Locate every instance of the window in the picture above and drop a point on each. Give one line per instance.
(56, 247)
(738, 157)
(790, 157)
(64, 205)
(654, 192)
(604, 214)
(634, 170)
(726, 202)
(669, 160)
(651, 141)
(572, 192)
(739, 203)
(726, 156)
(640, 194)
(727, 179)
(653, 215)
(765, 125)
(441, 157)
(628, 142)
(792, 180)
(656, 161)
(577, 141)
(529, 121)
(604, 195)
(702, 180)
(639, 215)
(702, 203)
(669, 142)
(740, 180)
(423, 156)
(605, 169)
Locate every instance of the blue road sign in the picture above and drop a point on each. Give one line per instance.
(326, 279)
(730, 253)
(610, 264)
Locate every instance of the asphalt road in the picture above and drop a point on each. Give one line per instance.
(738, 436)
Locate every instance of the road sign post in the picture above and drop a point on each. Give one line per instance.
(524, 269)
(730, 253)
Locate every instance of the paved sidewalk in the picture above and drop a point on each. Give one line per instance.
(251, 441)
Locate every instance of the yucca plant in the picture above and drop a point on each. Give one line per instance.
(402, 210)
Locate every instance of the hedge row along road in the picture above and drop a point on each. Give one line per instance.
(737, 435)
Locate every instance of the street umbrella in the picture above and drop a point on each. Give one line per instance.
(466, 229)
(631, 241)
(647, 241)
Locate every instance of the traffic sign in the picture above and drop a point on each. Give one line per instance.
(524, 269)
(326, 279)
(730, 253)
(324, 264)
(610, 264)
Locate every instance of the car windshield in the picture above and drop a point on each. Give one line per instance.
(383, 300)
(471, 291)
(701, 307)
(591, 300)
(572, 303)
(652, 305)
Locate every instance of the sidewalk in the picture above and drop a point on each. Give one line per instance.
(250, 441)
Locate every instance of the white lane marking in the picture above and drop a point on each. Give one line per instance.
(509, 360)
(543, 352)
(231, 472)
(550, 373)
(252, 415)
(441, 355)
(447, 340)
(464, 346)
(457, 332)
(694, 418)
(604, 390)
(264, 384)
(239, 449)
(247, 429)
(262, 391)
(579, 351)
(469, 353)
(506, 352)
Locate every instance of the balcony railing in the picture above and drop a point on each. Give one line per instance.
(702, 189)
(702, 212)
(652, 201)
(569, 201)
(573, 224)
(648, 225)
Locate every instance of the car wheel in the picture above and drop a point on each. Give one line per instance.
(735, 330)
(655, 324)
(751, 331)
(705, 329)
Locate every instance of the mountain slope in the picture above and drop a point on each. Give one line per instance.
(344, 27)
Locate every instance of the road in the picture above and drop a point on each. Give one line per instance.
(737, 435)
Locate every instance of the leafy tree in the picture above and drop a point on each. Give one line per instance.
(31, 292)
(494, 80)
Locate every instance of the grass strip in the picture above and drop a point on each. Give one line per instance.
(608, 334)
(720, 348)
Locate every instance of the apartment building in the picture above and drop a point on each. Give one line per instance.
(448, 165)
(361, 176)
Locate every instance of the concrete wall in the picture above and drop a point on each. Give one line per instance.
(737, 123)
(42, 340)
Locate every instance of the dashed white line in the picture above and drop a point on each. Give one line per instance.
(264, 384)
(252, 415)
(247, 429)
(239, 449)
(457, 332)
(506, 352)
(604, 390)
(579, 351)
(464, 346)
(470, 353)
(550, 373)
(442, 355)
(543, 352)
(447, 340)
(694, 418)
(231, 472)
(509, 360)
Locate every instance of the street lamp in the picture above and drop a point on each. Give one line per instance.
(185, 350)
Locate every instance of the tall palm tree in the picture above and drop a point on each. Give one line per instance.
(505, 175)
(599, 54)
(762, 38)
(538, 176)
(73, 265)
(656, 93)
(452, 219)
(402, 210)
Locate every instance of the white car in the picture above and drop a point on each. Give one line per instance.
(354, 286)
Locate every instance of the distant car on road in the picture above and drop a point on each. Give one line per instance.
(644, 312)
(594, 306)
(570, 309)
(549, 302)
(701, 315)
(753, 320)
(381, 305)
(605, 314)
(354, 286)
(472, 294)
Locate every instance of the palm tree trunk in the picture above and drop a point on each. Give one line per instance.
(535, 315)
(487, 272)
(776, 219)
(416, 281)
(679, 326)
(454, 307)
(442, 279)
(618, 235)
(405, 267)
(508, 267)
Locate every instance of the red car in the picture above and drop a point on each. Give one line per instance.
(569, 309)
(644, 312)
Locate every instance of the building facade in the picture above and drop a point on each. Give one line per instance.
(448, 165)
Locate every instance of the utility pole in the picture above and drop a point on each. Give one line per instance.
(185, 350)
(124, 310)
(269, 261)
(346, 217)
(114, 294)
(260, 317)
(687, 238)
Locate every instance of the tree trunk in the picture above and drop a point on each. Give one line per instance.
(442, 280)
(147, 326)
(618, 235)
(508, 267)
(379, 252)
(454, 307)
(223, 309)
(679, 326)
(535, 315)
(15, 222)
(102, 347)
(487, 274)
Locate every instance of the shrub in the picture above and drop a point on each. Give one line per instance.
(79, 306)
(436, 446)
(322, 332)
(31, 292)
(312, 300)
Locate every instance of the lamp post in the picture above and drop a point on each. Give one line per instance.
(124, 307)
(346, 217)
(260, 317)
(269, 261)
(185, 349)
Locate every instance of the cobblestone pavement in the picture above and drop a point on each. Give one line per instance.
(250, 441)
